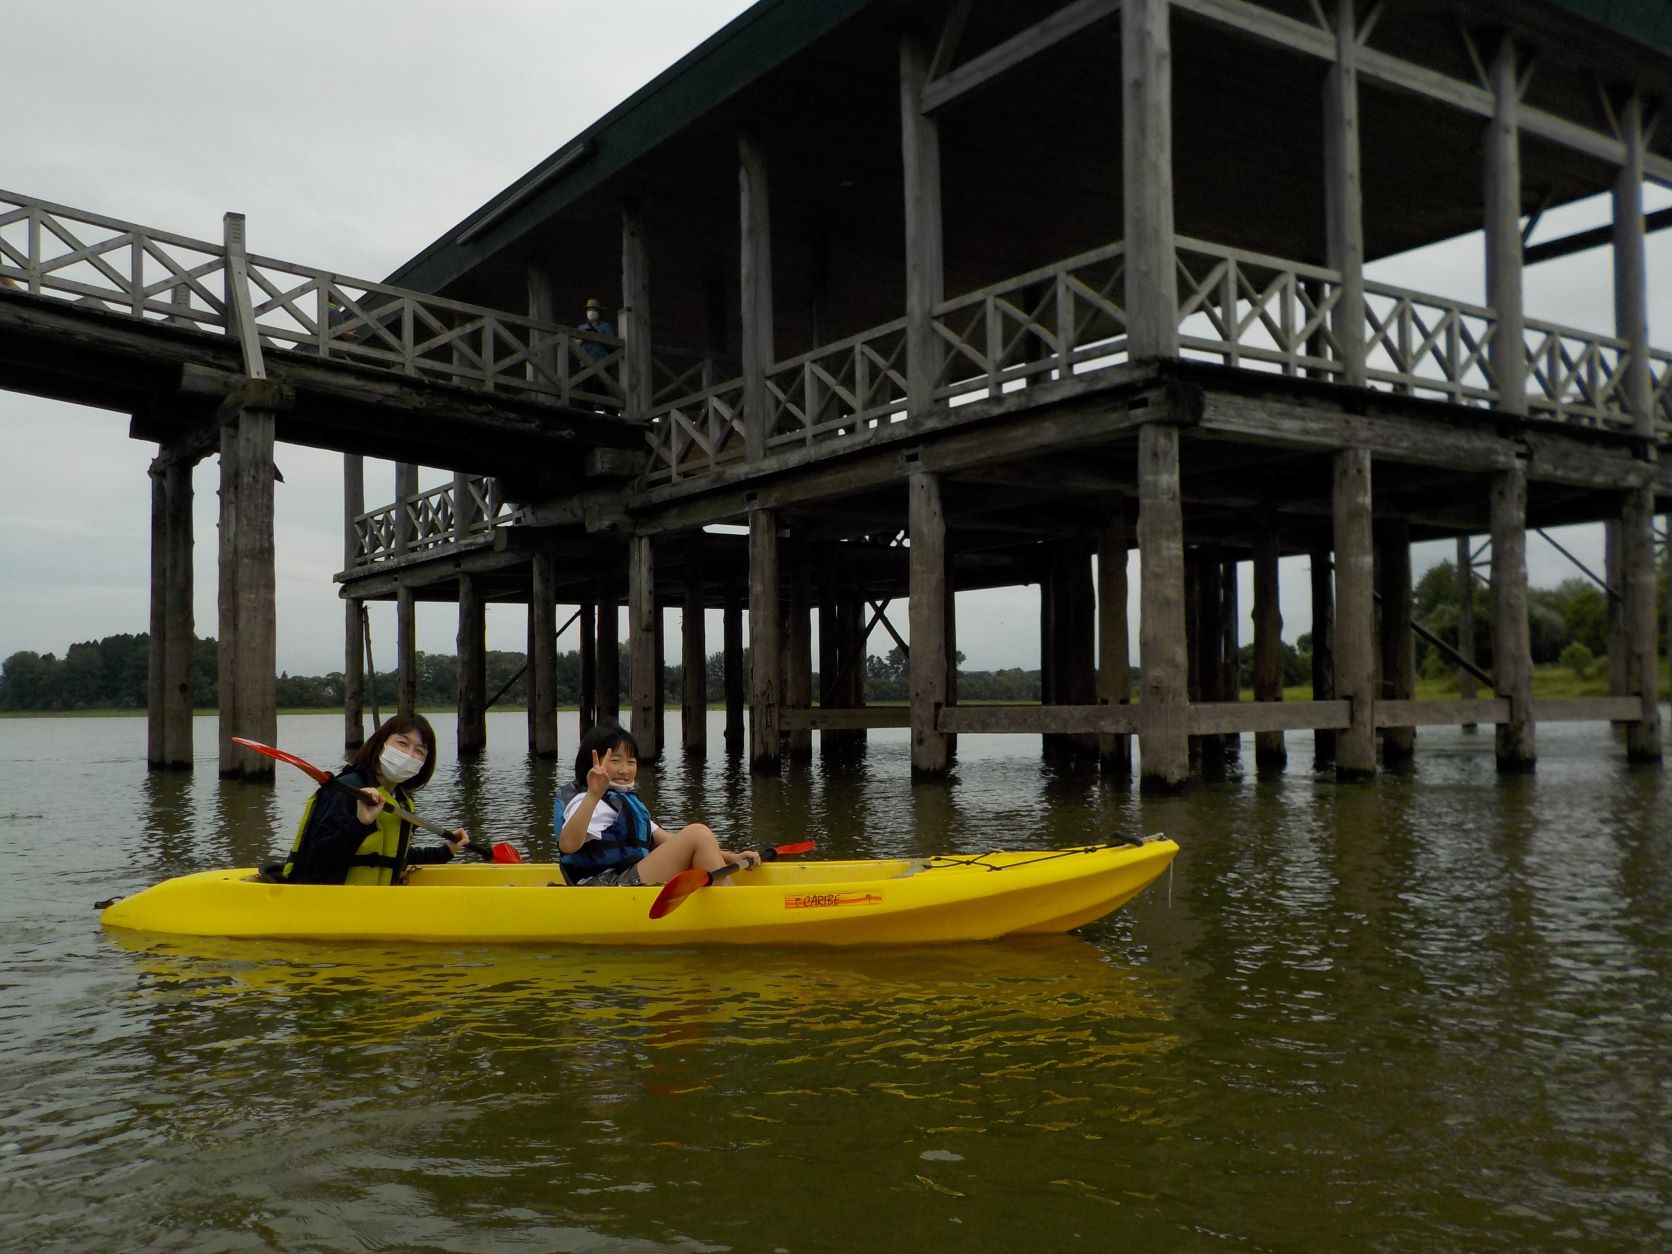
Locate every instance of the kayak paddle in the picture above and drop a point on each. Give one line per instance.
(681, 886)
(501, 852)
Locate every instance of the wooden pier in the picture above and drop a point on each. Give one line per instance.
(896, 320)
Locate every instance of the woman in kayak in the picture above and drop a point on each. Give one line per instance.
(343, 839)
(606, 835)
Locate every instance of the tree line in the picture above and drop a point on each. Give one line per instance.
(1568, 626)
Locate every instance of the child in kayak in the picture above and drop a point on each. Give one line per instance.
(347, 840)
(606, 835)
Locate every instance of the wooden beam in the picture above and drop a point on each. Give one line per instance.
(1270, 754)
(1512, 660)
(693, 711)
(1084, 720)
(473, 669)
(1218, 718)
(609, 652)
(981, 70)
(1162, 650)
(1344, 194)
(1322, 578)
(542, 657)
(644, 668)
(1410, 713)
(1596, 237)
(1503, 231)
(928, 624)
(756, 270)
(732, 647)
(1114, 650)
(637, 372)
(1398, 649)
(763, 640)
(246, 648)
(406, 651)
(1641, 623)
(920, 153)
(833, 718)
(1587, 709)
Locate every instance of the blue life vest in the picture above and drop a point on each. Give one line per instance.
(618, 846)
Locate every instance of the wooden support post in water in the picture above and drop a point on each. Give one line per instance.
(928, 623)
(1209, 645)
(473, 669)
(1465, 621)
(798, 651)
(693, 700)
(1270, 754)
(609, 653)
(1355, 625)
(1323, 649)
(354, 652)
(1147, 176)
(642, 669)
(588, 666)
(247, 648)
(1114, 651)
(169, 678)
(1050, 743)
(1230, 663)
(542, 657)
(1512, 659)
(1637, 551)
(1613, 574)
(920, 154)
(1398, 645)
(731, 625)
(406, 651)
(1163, 667)
(756, 270)
(763, 639)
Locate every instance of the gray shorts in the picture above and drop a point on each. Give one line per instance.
(626, 877)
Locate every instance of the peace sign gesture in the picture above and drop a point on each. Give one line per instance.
(597, 778)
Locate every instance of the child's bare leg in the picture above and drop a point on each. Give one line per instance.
(694, 845)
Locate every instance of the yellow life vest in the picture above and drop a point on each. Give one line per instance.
(380, 857)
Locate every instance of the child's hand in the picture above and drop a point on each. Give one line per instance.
(457, 839)
(748, 858)
(598, 778)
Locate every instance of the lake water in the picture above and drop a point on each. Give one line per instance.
(1429, 1013)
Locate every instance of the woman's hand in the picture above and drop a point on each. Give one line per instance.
(368, 806)
(457, 839)
(748, 858)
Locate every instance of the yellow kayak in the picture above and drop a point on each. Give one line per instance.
(890, 901)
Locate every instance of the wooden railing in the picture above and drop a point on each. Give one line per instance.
(1246, 309)
(434, 517)
(1053, 322)
(839, 389)
(1660, 372)
(51, 250)
(1422, 345)
(1577, 376)
(696, 434)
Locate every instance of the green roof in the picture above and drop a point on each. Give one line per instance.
(1644, 21)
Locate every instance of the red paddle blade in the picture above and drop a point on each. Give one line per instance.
(280, 755)
(505, 852)
(790, 850)
(678, 889)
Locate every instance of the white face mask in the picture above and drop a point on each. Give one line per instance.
(398, 767)
(594, 315)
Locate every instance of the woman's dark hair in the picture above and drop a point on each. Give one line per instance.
(600, 740)
(366, 759)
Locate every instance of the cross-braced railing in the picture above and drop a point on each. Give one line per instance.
(839, 389)
(436, 516)
(1577, 376)
(1059, 320)
(103, 263)
(696, 434)
(1422, 345)
(1660, 373)
(1247, 309)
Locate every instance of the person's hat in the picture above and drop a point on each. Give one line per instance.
(594, 303)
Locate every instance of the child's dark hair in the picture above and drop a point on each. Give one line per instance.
(600, 740)
(366, 759)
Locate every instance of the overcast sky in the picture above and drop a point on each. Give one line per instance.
(352, 135)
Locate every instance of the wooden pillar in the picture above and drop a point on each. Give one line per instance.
(1270, 754)
(1050, 743)
(1209, 644)
(659, 673)
(763, 639)
(169, 669)
(951, 620)
(1230, 664)
(1614, 631)
(756, 270)
(1355, 615)
(693, 700)
(1114, 650)
(642, 670)
(1465, 620)
(798, 652)
(473, 669)
(246, 650)
(1503, 232)
(609, 654)
(1163, 665)
(637, 372)
(920, 153)
(588, 713)
(1631, 322)
(1398, 649)
(544, 365)
(354, 650)
(542, 657)
(1344, 196)
(732, 659)
(1323, 649)
(406, 650)
(1512, 661)
(928, 623)
(1147, 180)
(1637, 538)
